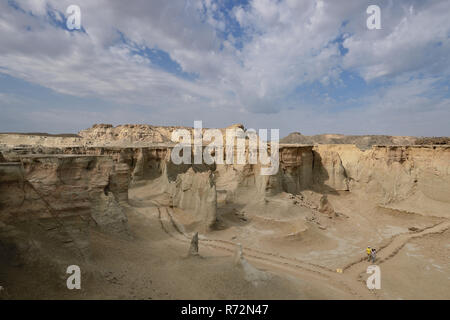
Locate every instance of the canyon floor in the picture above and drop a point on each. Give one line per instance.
(299, 241)
(154, 264)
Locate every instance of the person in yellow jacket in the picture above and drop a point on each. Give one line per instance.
(369, 253)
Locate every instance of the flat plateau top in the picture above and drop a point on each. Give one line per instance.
(9, 164)
(294, 145)
(170, 146)
(62, 156)
(130, 146)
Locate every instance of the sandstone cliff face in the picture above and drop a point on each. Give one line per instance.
(103, 133)
(392, 176)
(411, 178)
(128, 166)
(190, 186)
(329, 171)
(296, 168)
(148, 163)
(13, 140)
(137, 134)
(301, 168)
(294, 175)
(62, 195)
(414, 178)
(362, 142)
(119, 182)
(195, 193)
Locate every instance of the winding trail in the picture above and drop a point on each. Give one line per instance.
(350, 281)
(395, 245)
(263, 259)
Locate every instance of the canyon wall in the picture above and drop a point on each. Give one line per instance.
(92, 182)
(390, 174)
(409, 178)
(59, 197)
(59, 188)
(195, 193)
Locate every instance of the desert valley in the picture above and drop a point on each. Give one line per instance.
(110, 200)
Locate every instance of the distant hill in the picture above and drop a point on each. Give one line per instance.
(433, 140)
(44, 134)
(362, 141)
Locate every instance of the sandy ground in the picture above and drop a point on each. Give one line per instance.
(289, 257)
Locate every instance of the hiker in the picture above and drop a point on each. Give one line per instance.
(373, 255)
(369, 253)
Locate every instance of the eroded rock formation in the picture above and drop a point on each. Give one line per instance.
(64, 189)
(195, 192)
(193, 249)
(59, 196)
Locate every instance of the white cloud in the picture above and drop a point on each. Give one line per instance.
(285, 45)
(413, 41)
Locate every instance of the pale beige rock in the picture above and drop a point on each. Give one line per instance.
(326, 207)
(276, 218)
(68, 190)
(329, 170)
(193, 249)
(195, 192)
(238, 256)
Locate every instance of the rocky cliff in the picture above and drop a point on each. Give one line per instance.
(362, 142)
(60, 196)
(64, 190)
(195, 193)
(410, 178)
(135, 134)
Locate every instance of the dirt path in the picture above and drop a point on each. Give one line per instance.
(350, 281)
(393, 247)
(358, 268)
(267, 260)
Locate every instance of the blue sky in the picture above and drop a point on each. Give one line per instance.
(310, 66)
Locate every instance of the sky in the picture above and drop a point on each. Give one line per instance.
(308, 66)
